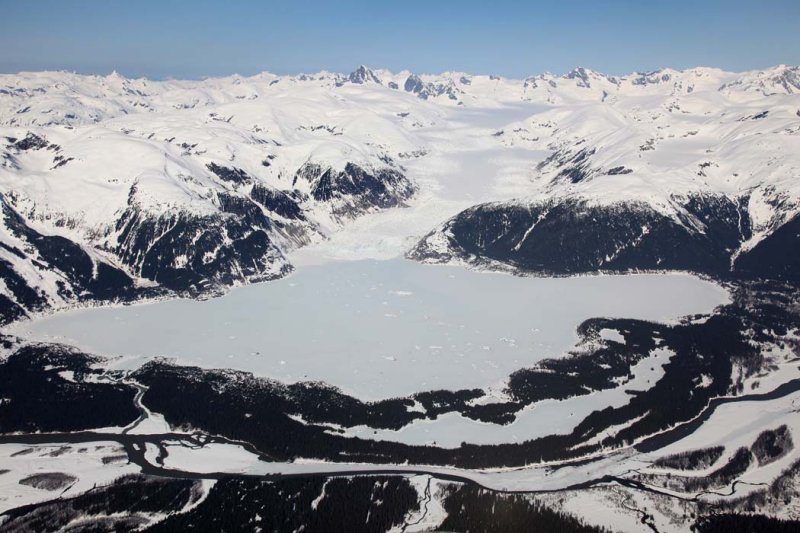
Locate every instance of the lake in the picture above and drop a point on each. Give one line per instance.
(378, 329)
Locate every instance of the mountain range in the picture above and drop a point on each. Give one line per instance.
(117, 189)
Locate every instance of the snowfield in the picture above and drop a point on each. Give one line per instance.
(88, 466)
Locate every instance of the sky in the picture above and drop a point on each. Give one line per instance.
(199, 38)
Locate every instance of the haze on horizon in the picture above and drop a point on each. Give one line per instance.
(515, 39)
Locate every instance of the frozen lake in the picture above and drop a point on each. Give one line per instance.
(379, 329)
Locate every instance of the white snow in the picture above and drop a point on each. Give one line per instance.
(431, 513)
(84, 462)
(212, 457)
(612, 335)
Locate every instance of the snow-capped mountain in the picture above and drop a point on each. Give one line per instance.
(667, 170)
(117, 188)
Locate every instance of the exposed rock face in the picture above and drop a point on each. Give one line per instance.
(279, 202)
(415, 85)
(355, 190)
(363, 75)
(233, 175)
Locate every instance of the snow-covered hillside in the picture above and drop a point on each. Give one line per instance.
(115, 188)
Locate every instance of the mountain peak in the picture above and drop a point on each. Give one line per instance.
(363, 74)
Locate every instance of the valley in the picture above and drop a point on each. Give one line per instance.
(423, 296)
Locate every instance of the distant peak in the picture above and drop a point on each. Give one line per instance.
(583, 76)
(652, 77)
(414, 84)
(363, 74)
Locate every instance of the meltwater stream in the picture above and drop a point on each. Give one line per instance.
(378, 329)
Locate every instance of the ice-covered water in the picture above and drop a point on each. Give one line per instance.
(379, 329)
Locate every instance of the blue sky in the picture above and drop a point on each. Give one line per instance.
(184, 39)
